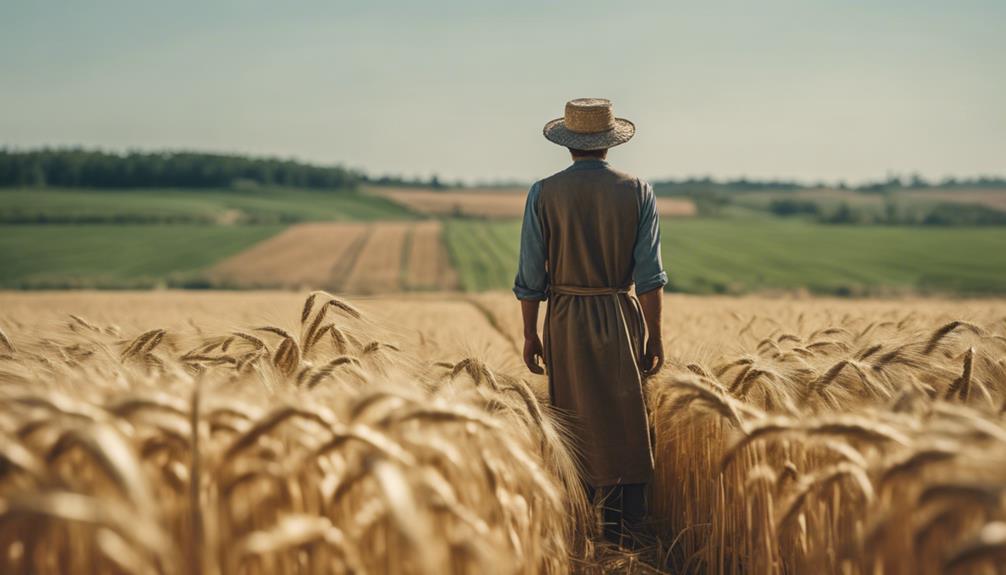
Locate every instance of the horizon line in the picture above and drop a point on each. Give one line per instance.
(367, 175)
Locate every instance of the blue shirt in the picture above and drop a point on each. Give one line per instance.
(648, 274)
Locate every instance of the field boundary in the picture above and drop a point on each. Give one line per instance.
(343, 268)
(404, 258)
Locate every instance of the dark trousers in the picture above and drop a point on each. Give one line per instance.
(623, 508)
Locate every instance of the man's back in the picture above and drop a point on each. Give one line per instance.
(583, 228)
(589, 216)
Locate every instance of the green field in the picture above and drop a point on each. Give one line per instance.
(740, 255)
(65, 256)
(255, 205)
(484, 252)
(138, 238)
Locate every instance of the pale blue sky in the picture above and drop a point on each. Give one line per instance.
(823, 89)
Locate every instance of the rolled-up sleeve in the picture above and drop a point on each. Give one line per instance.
(648, 273)
(531, 282)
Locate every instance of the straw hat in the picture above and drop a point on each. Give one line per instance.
(589, 124)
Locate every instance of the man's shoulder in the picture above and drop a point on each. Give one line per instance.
(624, 176)
(552, 177)
(606, 172)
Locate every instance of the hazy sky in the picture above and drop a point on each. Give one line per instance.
(808, 89)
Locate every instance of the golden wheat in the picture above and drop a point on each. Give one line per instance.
(809, 436)
(232, 457)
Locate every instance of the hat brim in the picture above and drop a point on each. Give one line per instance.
(557, 132)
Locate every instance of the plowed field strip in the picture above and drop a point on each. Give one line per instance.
(378, 267)
(492, 204)
(302, 255)
(669, 207)
(507, 203)
(342, 270)
(427, 265)
(357, 258)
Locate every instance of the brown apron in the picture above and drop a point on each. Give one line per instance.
(594, 328)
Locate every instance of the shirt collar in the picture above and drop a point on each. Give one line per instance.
(587, 164)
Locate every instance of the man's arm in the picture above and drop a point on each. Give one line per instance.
(652, 303)
(533, 349)
(650, 278)
(531, 283)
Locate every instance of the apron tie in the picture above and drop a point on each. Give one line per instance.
(588, 291)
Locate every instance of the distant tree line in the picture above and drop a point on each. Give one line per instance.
(893, 214)
(706, 185)
(794, 207)
(75, 167)
(415, 182)
(915, 181)
(691, 186)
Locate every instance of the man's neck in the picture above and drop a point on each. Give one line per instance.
(588, 159)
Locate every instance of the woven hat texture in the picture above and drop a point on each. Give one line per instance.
(589, 124)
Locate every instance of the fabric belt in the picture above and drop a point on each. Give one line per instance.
(588, 291)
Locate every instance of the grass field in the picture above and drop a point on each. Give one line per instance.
(258, 205)
(115, 255)
(484, 253)
(733, 256)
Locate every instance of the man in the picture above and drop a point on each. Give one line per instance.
(589, 233)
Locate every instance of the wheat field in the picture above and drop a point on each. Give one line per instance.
(274, 432)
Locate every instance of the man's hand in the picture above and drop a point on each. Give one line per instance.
(653, 357)
(532, 351)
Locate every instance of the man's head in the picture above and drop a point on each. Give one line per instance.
(588, 154)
